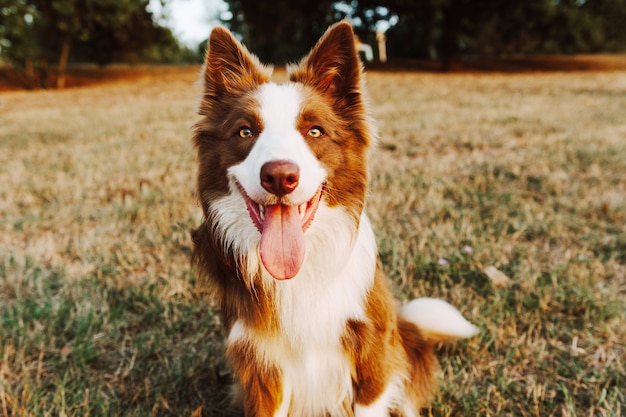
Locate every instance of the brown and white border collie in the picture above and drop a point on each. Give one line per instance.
(287, 249)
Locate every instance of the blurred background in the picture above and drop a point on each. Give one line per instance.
(41, 38)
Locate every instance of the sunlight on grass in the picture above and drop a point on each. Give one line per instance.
(99, 314)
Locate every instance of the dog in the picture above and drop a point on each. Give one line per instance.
(287, 250)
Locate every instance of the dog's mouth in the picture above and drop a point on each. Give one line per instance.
(282, 228)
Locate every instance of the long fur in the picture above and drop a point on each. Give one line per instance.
(328, 341)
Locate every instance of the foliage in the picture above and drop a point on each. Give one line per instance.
(437, 29)
(280, 31)
(18, 40)
(449, 28)
(38, 35)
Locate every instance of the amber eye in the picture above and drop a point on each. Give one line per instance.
(315, 132)
(245, 132)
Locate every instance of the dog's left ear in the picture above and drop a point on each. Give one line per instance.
(333, 66)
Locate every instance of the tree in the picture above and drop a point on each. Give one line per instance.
(18, 40)
(37, 34)
(612, 14)
(126, 31)
(446, 30)
(283, 30)
(449, 29)
(59, 23)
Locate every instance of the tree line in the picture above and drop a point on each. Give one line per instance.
(41, 36)
(444, 30)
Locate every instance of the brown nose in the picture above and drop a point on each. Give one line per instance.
(280, 177)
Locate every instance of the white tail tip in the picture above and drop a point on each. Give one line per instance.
(438, 320)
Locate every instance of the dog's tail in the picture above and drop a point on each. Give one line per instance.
(438, 321)
(423, 324)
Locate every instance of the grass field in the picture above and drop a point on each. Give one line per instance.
(525, 173)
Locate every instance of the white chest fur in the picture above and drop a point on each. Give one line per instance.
(313, 309)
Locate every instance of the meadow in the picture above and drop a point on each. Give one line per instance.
(504, 194)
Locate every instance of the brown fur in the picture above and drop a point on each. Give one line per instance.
(331, 75)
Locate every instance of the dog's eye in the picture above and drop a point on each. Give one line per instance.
(245, 132)
(315, 132)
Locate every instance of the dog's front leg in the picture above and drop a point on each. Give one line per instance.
(263, 395)
(378, 354)
(375, 387)
(377, 408)
(261, 384)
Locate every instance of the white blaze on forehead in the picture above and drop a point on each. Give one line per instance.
(280, 104)
(279, 108)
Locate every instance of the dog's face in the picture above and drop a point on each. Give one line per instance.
(273, 157)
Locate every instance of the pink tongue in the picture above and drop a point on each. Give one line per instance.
(282, 241)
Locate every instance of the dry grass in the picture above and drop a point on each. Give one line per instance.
(527, 173)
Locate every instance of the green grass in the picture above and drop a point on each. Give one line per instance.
(100, 315)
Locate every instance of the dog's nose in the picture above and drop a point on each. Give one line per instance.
(280, 177)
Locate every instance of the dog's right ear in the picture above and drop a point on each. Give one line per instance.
(229, 68)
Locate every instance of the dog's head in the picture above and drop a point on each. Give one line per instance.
(271, 156)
